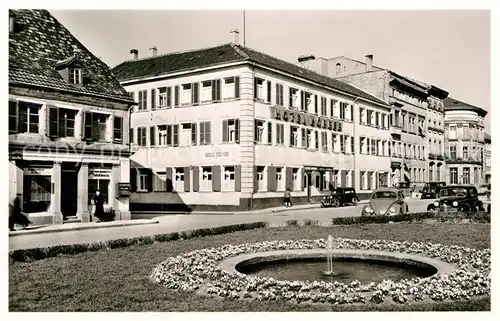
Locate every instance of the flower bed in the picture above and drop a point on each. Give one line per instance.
(199, 271)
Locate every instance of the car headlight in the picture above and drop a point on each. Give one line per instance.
(436, 204)
(368, 209)
(392, 209)
(455, 203)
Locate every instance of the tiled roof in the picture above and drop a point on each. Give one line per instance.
(453, 104)
(223, 54)
(40, 42)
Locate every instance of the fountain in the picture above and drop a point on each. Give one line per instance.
(329, 256)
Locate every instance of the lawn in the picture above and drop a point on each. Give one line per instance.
(117, 280)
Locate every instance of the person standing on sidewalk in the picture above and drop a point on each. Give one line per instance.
(16, 216)
(288, 198)
(99, 206)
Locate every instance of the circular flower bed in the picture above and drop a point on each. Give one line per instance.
(199, 271)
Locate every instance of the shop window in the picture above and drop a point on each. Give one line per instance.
(296, 179)
(142, 182)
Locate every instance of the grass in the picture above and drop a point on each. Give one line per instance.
(117, 280)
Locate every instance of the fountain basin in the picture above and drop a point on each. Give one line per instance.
(359, 262)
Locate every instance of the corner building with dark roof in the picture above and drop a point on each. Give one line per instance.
(229, 128)
(68, 124)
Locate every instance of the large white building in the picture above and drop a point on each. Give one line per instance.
(230, 128)
(68, 117)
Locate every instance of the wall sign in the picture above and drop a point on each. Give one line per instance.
(99, 174)
(38, 171)
(124, 189)
(217, 154)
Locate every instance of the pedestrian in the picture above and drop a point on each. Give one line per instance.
(16, 216)
(99, 206)
(288, 198)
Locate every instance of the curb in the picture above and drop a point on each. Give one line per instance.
(78, 228)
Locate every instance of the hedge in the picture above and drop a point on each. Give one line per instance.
(476, 217)
(26, 255)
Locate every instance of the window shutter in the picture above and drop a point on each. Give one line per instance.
(290, 98)
(118, 129)
(360, 180)
(303, 102)
(193, 134)
(133, 179)
(225, 137)
(353, 179)
(269, 133)
(254, 87)
(352, 112)
(214, 90)
(315, 104)
(152, 136)
(289, 178)
(216, 178)
(237, 130)
(13, 117)
(196, 96)
(87, 131)
(271, 179)
(255, 180)
(302, 172)
(169, 135)
(304, 138)
(53, 122)
(196, 179)
(343, 178)
(187, 178)
(169, 179)
(255, 131)
(269, 88)
(153, 99)
(236, 87)
(176, 96)
(291, 137)
(149, 180)
(176, 135)
(131, 136)
(237, 178)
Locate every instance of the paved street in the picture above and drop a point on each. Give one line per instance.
(176, 223)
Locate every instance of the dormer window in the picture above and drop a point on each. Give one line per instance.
(75, 76)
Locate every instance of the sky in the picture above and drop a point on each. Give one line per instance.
(447, 48)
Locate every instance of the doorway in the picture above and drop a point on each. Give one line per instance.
(101, 185)
(69, 192)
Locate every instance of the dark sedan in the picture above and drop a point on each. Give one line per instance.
(457, 198)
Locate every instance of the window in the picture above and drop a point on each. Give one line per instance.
(205, 133)
(333, 108)
(188, 134)
(179, 179)
(164, 133)
(294, 136)
(369, 118)
(294, 101)
(280, 178)
(210, 91)
(232, 88)
(306, 101)
(258, 131)
(142, 182)
(295, 179)
(95, 126)
(453, 152)
(230, 131)
(316, 140)
(61, 122)
(466, 175)
(383, 120)
(343, 111)
(206, 179)
(362, 115)
(335, 145)
(324, 141)
(279, 95)
(378, 149)
(190, 95)
(142, 103)
(117, 129)
(307, 138)
(160, 182)
(75, 76)
(352, 145)
(23, 117)
(269, 133)
(337, 69)
(228, 179)
(260, 178)
(153, 99)
(453, 175)
(259, 90)
(465, 152)
(141, 136)
(452, 132)
(362, 145)
(377, 119)
(343, 143)
(165, 97)
(438, 173)
(323, 106)
(373, 147)
(280, 134)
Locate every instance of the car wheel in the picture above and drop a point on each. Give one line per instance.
(432, 209)
(355, 201)
(464, 208)
(335, 202)
(322, 205)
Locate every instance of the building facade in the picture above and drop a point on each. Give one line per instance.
(229, 128)
(67, 115)
(417, 117)
(465, 142)
(487, 159)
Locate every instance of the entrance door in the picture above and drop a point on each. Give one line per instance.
(69, 193)
(308, 186)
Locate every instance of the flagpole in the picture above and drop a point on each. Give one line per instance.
(244, 29)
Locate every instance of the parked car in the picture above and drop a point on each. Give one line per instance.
(485, 189)
(404, 187)
(340, 197)
(386, 201)
(457, 198)
(431, 189)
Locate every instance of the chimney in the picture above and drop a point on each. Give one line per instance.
(304, 61)
(369, 62)
(135, 52)
(236, 36)
(154, 51)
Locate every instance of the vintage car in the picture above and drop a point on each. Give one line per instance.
(485, 189)
(457, 198)
(431, 189)
(386, 201)
(340, 197)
